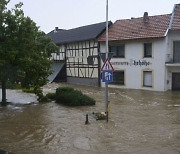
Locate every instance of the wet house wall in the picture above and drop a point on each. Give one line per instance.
(173, 51)
(78, 53)
(146, 52)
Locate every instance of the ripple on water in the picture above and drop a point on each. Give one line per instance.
(82, 143)
(140, 122)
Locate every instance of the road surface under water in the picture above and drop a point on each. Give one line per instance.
(141, 122)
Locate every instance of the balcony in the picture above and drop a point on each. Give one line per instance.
(59, 56)
(175, 61)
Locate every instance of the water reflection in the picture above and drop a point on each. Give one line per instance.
(140, 122)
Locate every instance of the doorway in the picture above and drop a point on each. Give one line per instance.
(175, 81)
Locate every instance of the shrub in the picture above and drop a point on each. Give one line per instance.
(13, 85)
(38, 92)
(4, 103)
(70, 97)
(29, 90)
(43, 99)
(51, 96)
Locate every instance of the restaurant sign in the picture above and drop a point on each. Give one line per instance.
(132, 62)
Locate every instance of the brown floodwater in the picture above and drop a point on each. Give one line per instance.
(141, 122)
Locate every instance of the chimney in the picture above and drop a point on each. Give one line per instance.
(56, 29)
(146, 17)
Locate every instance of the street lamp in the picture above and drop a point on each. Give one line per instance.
(106, 83)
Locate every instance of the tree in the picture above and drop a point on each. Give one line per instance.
(24, 50)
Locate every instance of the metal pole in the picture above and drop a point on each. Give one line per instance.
(106, 83)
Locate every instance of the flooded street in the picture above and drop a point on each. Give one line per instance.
(141, 122)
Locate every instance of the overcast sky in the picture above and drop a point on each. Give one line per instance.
(68, 14)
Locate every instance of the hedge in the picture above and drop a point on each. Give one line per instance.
(71, 97)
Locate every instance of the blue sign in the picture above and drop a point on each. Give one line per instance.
(107, 76)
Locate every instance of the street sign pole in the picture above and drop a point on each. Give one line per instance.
(106, 83)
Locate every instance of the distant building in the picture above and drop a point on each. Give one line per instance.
(77, 61)
(146, 52)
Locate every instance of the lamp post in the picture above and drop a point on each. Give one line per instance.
(107, 48)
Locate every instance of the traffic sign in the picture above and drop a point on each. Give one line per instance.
(103, 56)
(107, 66)
(107, 76)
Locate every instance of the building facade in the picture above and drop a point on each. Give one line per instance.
(146, 52)
(78, 53)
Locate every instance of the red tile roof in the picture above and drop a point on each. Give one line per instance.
(176, 18)
(137, 28)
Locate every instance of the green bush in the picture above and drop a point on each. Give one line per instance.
(70, 97)
(51, 96)
(13, 85)
(43, 99)
(4, 103)
(30, 90)
(64, 89)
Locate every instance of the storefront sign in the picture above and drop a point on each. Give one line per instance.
(132, 62)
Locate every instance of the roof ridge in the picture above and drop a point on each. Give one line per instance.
(88, 25)
(83, 33)
(128, 29)
(142, 17)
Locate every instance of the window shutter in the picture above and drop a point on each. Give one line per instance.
(148, 79)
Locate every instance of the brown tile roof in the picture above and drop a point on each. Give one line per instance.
(176, 19)
(130, 29)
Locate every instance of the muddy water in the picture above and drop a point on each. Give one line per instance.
(141, 122)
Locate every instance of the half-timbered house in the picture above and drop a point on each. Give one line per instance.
(77, 60)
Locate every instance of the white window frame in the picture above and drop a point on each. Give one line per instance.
(148, 82)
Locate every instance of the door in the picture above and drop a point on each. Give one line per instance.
(175, 81)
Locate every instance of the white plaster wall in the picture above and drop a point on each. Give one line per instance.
(172, 36)
(133, 74)
(158, 64)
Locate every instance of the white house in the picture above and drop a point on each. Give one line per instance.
(146, 52)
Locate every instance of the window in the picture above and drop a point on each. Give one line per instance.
(58, 53)
(147, 78)
(118, 51)
(176, 51)
(147, 50)
(118, 77)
